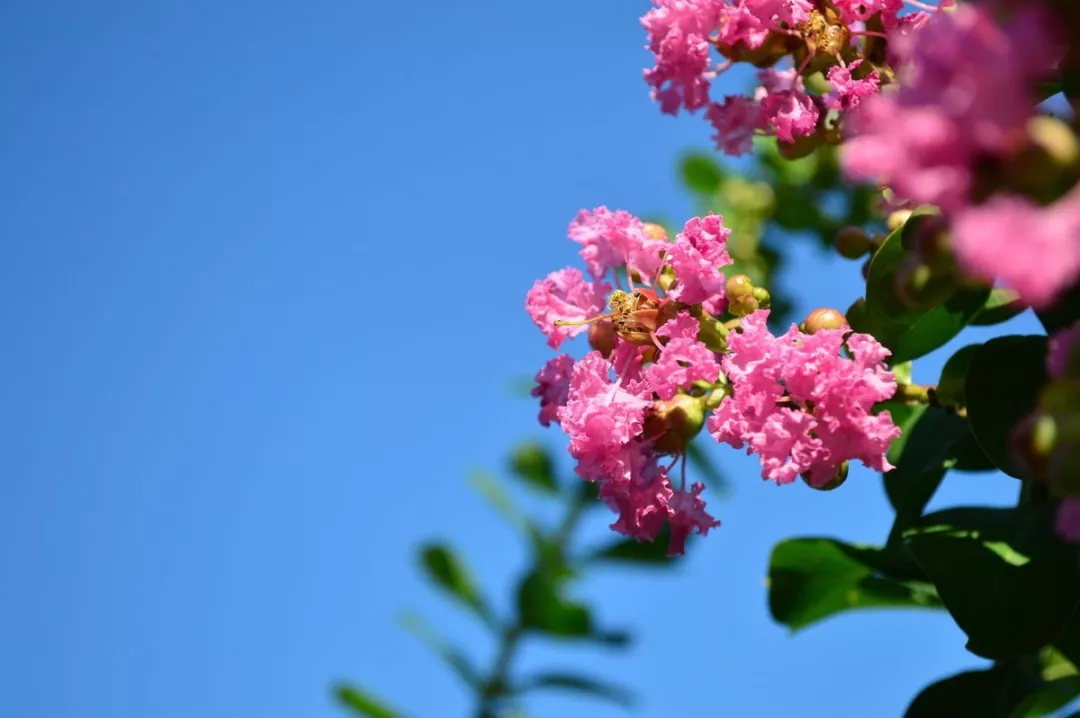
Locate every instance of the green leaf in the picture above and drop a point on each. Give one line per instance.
(813, 578)
(542, 608)
(702, 464)
(992, 693)
(701, 173)
(453, 657)
(1051, 697)
(532, 464)
(580, 684)
(951, 385)
(1064, 312)
(639, 552)
(444, 568)
(1001, 306)
(912, 333)
(1002, 384)
(363, 703)
(1008, 581)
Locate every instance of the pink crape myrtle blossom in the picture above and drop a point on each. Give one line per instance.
(553, 387)
(801, 406)
(1063, 352)
(678, 32)
(735, 121)
(697, 255)
(1034, 250)
(786, 107)
(564, 295)
(848, 92)
(853, 11)
(611, 239)
(684, 359)
(965, 93)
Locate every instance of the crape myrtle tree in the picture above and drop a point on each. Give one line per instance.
(919, 140)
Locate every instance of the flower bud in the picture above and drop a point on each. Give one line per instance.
(801, 147)
(852, 242)
(897, 219)
(673, 424)
(655, 231)
(835, 482)
(824, 318)
(761, 294)
(713, 334)
(739, 285)
(667, 278)
(743, 305)
(602, 337)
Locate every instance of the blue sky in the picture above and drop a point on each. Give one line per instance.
(262, 294)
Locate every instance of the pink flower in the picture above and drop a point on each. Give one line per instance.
(1063, 352)
(600, 416)
(790, 12)
(850, 92)
(611, 239)
(785, 105)
(553, 387)
(697, 255)
(568, 296)
(740, 24)
(678, 32)
(640, 500)
(1034, 250)
(862, 10)
(684, 359)
(789, 386)
(735, 121)
(687, 516)
(1068, 520)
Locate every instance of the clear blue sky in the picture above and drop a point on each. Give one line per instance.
(262, 291)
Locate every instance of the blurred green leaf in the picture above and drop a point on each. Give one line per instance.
(363, 703)
(532, 464)
(580, 684)
(1003, 381)
(701, 173)
(1001, 306)
(542, 608)
(639, 552)
(1064, 313)
(703, 465)
(993, 693)
(813, 578)
(444, 568)
(440, 647)
(912, 333)
(1009, 582)
(951, 384)
(1051, 697)
(492, 490)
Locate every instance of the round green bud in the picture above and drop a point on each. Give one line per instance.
(737, 286)
(852, 242)
(824, 318)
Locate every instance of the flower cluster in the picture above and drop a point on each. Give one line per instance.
(682, 340)
(962, 133)
(844, 45)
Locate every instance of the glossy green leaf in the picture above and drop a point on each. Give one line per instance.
(639, 553)
(446, 570)
(813, 578)
(1002, 384)
(1009, 582)
(579, 684)
(912, 333)
(532, 464)
(1001, 306)
(951, 385)
(701, 173)
(702, 465)
(993, 693)
(362, 703)
(452, 656)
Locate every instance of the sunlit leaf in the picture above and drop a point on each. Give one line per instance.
(362, 703)
(446, 570)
